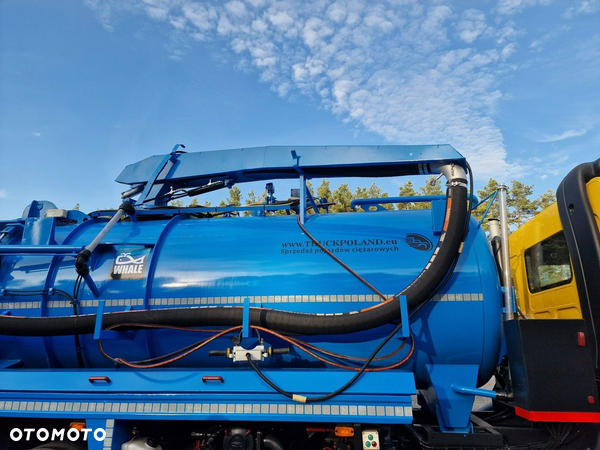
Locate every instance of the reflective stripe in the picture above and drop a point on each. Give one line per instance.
(202, 301)
(207, 408)
(108, 427)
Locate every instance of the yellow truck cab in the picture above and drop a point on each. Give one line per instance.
(541, 268)
(555, 336)
(541, 264)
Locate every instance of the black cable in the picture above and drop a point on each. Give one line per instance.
(74, 302)
(72, 299)
(337, 391)
(470, 207)
(28, 293)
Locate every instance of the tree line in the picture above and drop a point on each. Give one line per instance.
(521, 205)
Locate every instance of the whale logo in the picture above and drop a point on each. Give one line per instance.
(418, 242)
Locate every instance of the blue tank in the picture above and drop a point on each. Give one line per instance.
(218, 262)
(195, 260)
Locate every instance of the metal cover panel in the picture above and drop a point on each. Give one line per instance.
(262, 163)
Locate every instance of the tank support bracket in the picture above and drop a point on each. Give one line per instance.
(99, 333)
(246, 319)
(405, 330)
(452, 409)
(90, 283)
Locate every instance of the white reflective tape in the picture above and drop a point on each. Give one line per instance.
(298, 408)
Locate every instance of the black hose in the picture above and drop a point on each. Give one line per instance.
(272, 443)
(335, 393)
(418, 292)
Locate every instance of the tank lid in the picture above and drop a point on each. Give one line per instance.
(266, 163)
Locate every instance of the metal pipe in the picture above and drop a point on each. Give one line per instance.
(495, 231)
(504, 250)
(496, 240)
(114, 219)
(452, 172)
(474, 391)
(302, 198)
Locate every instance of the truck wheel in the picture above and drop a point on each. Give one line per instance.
(62, 446)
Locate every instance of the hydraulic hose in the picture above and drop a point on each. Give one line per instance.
(419, 291)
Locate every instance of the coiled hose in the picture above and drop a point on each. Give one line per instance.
(419, 291)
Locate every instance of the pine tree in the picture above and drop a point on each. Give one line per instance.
(309, 188)
(235, 196)
(521, 208)
(324, 191)
(253, 199)
(406, 190)
(342, 198)
(234, 199)
(545, 200)
(494, 213)
(375, 191)
(360, 192)
(431, 187)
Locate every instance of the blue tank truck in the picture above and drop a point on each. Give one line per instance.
(158, 327)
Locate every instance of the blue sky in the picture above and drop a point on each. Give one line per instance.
(89, 86)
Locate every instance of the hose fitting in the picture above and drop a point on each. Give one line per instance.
(81, 266)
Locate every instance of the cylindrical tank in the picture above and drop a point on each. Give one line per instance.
(185, 262)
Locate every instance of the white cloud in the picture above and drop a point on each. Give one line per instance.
(281, 20)
(508, 50)
(337, 12)
(392, 67)
(539, 44)
(236, 8)
(582, 7)
(315, 32)
(471, 26)
(508, 33)
(561, 137)
(202, 17)
(3, 193)
(508, 7)
(157, 13)
(36, 134)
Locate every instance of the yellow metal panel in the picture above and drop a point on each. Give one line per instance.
(593, 188)
(561, 302)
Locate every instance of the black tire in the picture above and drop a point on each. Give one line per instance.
(62, 446)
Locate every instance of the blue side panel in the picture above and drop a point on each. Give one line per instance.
(186, 395)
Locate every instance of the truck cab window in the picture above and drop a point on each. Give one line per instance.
(548, 264)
